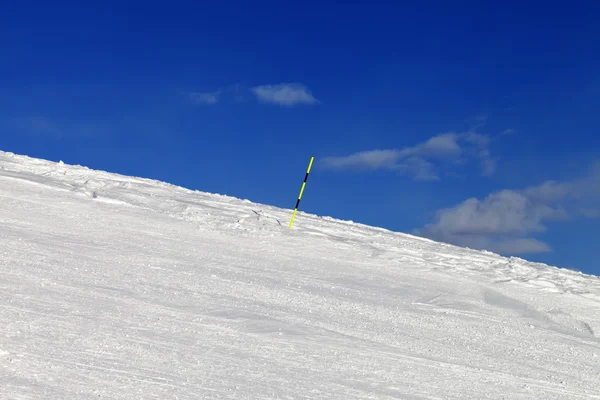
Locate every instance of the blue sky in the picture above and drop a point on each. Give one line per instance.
(465, 122)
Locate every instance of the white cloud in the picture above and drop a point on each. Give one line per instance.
(505, 212)
(419, 161)
(206, 98)
(418, 168)
(373, 159)
(503, 220)
(439, 146)
(488, 164)
(284, 94)
(481, 151)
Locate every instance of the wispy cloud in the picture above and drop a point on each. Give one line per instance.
(420, 161)
(284, 94)
(58, 129)
(205, 98)
(505, 221)
(590, 213)
(481, 151)
(477, 121)
(35, 125)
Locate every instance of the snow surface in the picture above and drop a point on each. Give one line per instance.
(114, 287)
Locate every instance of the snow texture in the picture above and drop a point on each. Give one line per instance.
(114, 287)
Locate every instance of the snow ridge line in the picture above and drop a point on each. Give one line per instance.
(199, 207)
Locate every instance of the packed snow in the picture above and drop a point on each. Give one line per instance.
(115, 287)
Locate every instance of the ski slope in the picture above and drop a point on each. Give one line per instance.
(113, 287)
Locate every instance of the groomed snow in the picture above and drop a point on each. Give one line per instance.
(114, 287)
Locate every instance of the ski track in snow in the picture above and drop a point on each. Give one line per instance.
(115, 287)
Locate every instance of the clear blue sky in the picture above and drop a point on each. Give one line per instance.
(461, 121)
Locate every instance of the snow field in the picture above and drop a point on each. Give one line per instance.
(116, 287)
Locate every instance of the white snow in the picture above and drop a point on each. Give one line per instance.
(115, 287)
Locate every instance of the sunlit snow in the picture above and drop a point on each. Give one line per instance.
(114, 287)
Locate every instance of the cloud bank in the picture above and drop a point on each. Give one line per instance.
(506, 221)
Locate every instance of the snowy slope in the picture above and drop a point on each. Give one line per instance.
(114, 287)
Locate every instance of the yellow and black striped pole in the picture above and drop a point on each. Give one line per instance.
(301, 191)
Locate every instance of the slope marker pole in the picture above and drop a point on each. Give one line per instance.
(301, 191)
